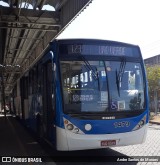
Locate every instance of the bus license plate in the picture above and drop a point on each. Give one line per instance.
(108, 143)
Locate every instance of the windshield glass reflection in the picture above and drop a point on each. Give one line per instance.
(91, 86)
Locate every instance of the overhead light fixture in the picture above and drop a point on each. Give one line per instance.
(1, 65)
(9, 65)
(17, 66)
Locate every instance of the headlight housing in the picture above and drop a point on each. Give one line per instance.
(71, 127)
(141, 123)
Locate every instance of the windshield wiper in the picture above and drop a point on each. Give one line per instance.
(89, 68)
(120, 73)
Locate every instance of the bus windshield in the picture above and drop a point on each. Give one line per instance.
(101, 86)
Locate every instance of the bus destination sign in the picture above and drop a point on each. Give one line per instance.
(101, 50)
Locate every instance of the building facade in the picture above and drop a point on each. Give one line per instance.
(155, 60)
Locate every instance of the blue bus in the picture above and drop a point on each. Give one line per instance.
(85, 94)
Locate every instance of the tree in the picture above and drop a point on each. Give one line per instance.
(153, 76)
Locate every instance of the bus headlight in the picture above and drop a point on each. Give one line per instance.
(70, 127)
(141, 122)
(76, 130)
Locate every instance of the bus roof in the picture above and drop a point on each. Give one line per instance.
(87, 40)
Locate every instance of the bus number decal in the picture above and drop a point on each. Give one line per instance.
(122, 124)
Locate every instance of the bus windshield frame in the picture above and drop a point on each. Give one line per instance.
(84, 98)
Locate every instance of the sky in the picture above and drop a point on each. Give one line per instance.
(131, 21)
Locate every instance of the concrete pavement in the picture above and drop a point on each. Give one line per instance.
(15, 141)
(150, 149)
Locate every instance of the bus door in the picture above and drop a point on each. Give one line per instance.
(48, 98)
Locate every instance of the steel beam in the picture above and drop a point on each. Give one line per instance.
(26, 28)
(69, 11)
(54, 23)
